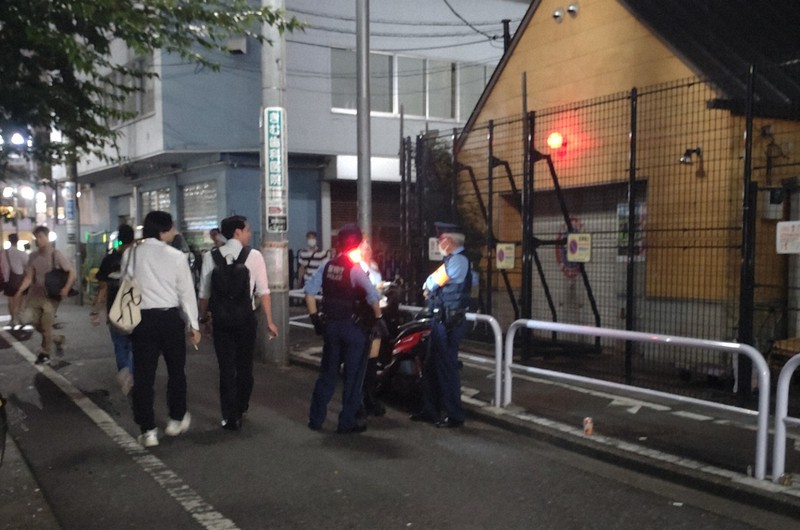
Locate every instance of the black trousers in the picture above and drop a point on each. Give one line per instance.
(161, 332)
(234, 347)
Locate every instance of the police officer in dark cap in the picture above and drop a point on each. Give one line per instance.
(351, 308)
(447, 293)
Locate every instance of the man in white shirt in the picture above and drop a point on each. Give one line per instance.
(168, 296)
(13, 265)
(232, 308)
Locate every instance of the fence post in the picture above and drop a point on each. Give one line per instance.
(490, 215)
(747, 278)
(630, 270)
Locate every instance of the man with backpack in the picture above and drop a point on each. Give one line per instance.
(232, 275)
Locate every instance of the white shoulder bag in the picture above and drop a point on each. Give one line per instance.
(126, 311)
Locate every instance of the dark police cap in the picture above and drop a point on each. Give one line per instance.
(447, 228)
(349, 235)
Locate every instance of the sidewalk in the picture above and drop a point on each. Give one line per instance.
(702, 448)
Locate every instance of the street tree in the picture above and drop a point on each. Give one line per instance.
(56, 70)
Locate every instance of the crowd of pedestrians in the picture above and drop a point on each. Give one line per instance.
(233, 286)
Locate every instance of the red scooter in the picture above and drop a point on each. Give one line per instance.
(403, 354)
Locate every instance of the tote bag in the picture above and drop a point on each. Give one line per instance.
(126, 311)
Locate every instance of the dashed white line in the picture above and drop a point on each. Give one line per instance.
(200, 510)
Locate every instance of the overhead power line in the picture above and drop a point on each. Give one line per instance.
(388, 21)
(490, 37)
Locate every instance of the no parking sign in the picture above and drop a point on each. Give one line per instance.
(504, 256)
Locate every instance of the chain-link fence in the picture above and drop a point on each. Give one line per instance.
(646, 210)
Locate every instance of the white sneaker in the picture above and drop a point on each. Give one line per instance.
(175, 427)
(149, 438)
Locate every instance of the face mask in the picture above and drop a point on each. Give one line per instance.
(312, 242)
(443, 249)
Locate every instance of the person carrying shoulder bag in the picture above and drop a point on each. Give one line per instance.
(43, 260)
(167, 290)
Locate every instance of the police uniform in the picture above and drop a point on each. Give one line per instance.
(449, 288)
(343, 283)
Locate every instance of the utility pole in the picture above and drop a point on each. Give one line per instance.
(275, 186)
(363, 125)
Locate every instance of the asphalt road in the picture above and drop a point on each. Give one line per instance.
(75, 433)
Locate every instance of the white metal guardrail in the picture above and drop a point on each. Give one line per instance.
(782, 418)
(760, 365)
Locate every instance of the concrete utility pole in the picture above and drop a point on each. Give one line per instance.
(275, 199)
(363, 108)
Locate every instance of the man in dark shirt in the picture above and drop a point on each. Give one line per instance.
(109, 277)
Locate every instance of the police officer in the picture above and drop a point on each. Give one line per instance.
(447, 293)
(352, 309)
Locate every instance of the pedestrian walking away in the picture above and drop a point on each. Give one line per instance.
(233, 282)
(165, 282)
(447, 293)
(351, 307)
(108, 278)
(43, 260)
(13, 265)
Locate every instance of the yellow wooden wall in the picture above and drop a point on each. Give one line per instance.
(693, 219)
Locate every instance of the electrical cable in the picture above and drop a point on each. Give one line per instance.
(476, 30)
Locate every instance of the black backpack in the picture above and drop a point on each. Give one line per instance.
(231, 298)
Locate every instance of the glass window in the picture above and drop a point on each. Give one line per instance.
(343, 79)
(155, 200)
(411, 85)
(472, 81)
(441, 89)
(381, 84)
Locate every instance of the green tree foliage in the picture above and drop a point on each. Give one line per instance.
(56, 70)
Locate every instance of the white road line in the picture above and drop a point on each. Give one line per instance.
(692, 415)
(200, 510)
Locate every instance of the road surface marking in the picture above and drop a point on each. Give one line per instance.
(200, 510)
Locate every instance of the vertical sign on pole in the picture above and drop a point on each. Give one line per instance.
(70, 212)
(277, 196)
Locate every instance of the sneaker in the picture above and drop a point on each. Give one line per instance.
(60, 346)
(42, 358)
(149, 438)
(232, 425)
(175, 427)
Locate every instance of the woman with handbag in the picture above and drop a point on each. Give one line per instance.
(42, 262)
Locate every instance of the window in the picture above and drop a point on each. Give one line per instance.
(441, 89)
(155, 200)
(344, 80)
(142, 101)
(411, 85)
(471, 82)
(425, 87)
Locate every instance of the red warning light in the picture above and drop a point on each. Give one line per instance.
(555, 140)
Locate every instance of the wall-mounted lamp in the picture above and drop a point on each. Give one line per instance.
(687, 155)
(687, 159)
(572, 10)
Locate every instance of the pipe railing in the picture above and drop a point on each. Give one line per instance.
(758, 360)
(782, 417)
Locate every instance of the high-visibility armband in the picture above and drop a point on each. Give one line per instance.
(440, 276)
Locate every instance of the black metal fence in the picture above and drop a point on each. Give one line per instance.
(649, 210)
